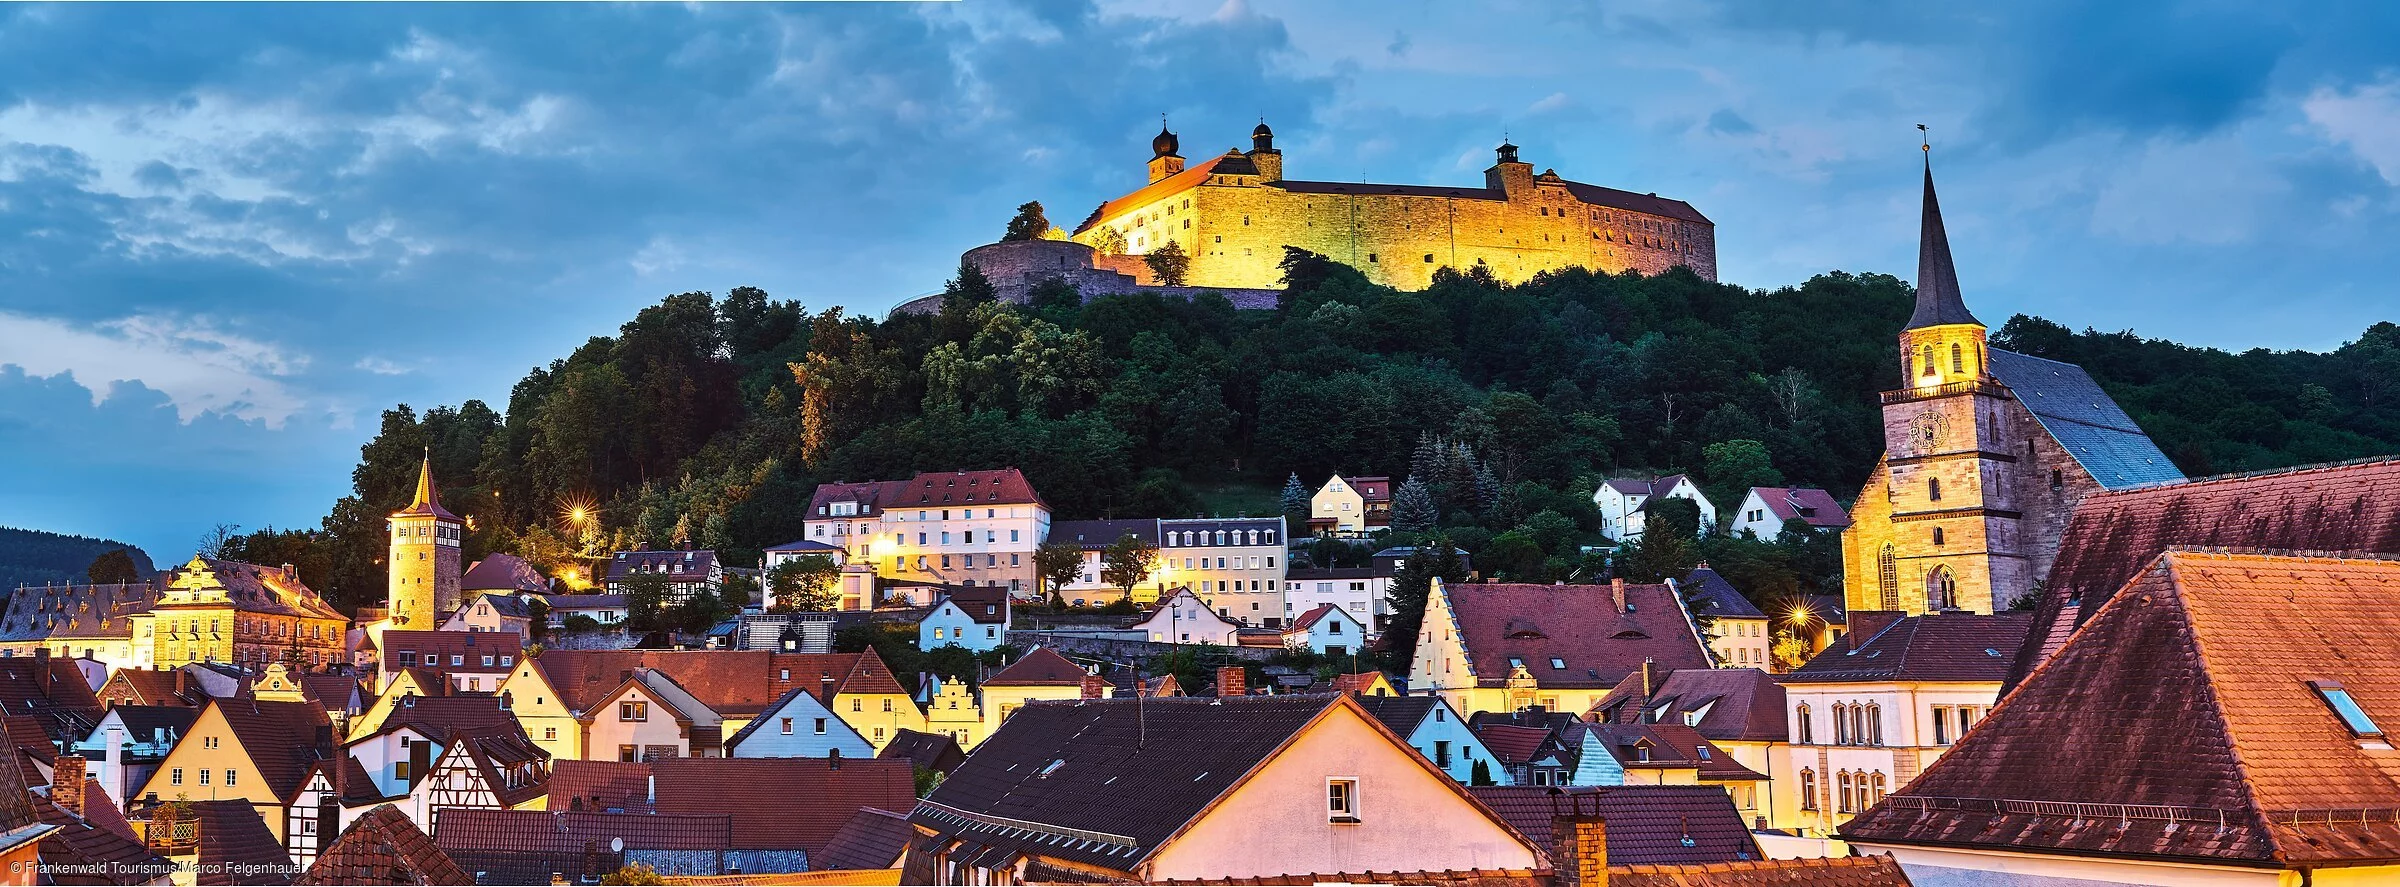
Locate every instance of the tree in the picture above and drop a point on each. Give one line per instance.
(214, 542)
(646, 601)
(1669, 545)
(1109, 241)
(1413, 510)
(537, 615)
(1127, 562)
(637, 873)
(1169, 264)
(1412, 587)
(1295, 501)
(806, 584)
(1482, 774)
(1055, 564)
(1734, 466)
(1029, 224)
(113, 568)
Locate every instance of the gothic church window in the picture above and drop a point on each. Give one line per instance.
(1957, 359)
(1926, 353)
(1933, 488)
(1941, 590)
(1937, 535)
(1889, 578)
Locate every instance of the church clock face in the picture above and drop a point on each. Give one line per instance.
(1930, 428)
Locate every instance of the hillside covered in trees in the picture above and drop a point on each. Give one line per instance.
(35, 557)
(709, 420)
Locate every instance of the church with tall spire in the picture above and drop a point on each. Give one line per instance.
(425, 565)
(1986, 454)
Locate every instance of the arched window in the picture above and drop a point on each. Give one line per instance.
(1937, 535)
(1841, 724)
(1841, 783)
(1808, 788)
(1958, 358)
(1878, 784)
(1941, 590)
(1874, 731)
(1888, 577)
(1925, 357)
(1806, 731)
(1933, 488)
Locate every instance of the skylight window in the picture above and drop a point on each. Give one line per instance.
(1556, 662)
(2347, 709)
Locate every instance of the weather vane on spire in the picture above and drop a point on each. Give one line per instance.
(1926, 137)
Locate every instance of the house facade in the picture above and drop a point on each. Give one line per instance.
(1490, 647)
(798, 726)
(1235, 564)
(1350, 506)
(1327, 630)
(687, 572)
(973, 617)
(1765, 510)
(1621, 502)
(1437, 731)
(953, 528)
(1739, 634)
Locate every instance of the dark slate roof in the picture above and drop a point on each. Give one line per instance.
(143, 722)
(38, 612)
(1957, 647)
(256, 589)
(2353, 508)
(1579, 625)
(279, 737)
(1672, 746)
(232, 833)
(1400, 714)
(873, 839)
(384, 848)
(931, 751)
(503, 572)
(1646, 823)
(2085, 421)
(2189, 697)
(1741, 704)
(1093, 535)
(1938, 301)
(531, 846)
(52, 692)
(1708, 594)
(1840, 871)
(1043, 667)
(1084, 767)
(776, 803)
(809, 545)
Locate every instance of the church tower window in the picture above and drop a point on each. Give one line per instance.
(1958, 360)
(1889, 578)
(1926, 353)
(1941, 589)
(1933, 489)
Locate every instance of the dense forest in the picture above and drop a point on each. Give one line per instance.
(35, 557)
(709, 420)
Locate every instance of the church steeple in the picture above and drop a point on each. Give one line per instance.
(1938, 302)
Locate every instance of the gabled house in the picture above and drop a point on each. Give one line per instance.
(406, 687)
(687, 573)
(1623, 503)
(475, 661)
(1739, 635)
(2218, 720)
(1874, 710)
(952, 709)
(974, 617)
(605, 610)
(1041, 674)
(383, 848)
(799, 726)
(1327, 630)
(497, 611)
(1500, 648)
(649, 716)
(1739, 710)
(925, 751)
(246, 750)
(786, 808)
(502, 574)
(144, 686)
(552, 692)
(495, 767)
(1183, 618)
(1673, 754)
(1436, 731)
(1291, 788)
(1766, 511)
(1527, 755)
(1350, 506)
(129, 742)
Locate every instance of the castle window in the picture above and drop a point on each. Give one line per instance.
(1245, 220)
(1187, 224)
(1927, 357)
(1937, 535)
(1371, 259)
(2058, 481)
(1933, 489)
(1429, 258)
(1220, 238)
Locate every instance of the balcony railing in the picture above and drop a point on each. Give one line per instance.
(1970, 386)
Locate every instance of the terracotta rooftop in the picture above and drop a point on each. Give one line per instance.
(1952, 647)
(732, 683)
(533, 846)
(2351, 507)
(384, 848)
(1810, 504)
(1735, 704)
(1847, 871)
(2192, 718)
(1579, 626)
(504, 572)
(100, 838)
(281, 738)
(1647, 824)
(776, 803)
(930, 490)
(1042, 667)
(1671, 746)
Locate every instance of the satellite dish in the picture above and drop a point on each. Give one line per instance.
(616, 845)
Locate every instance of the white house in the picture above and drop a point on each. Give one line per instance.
(972, 617)
(1328, 630)
(1362, 591)
(1184, 618)
(1765, 509)
(951, 527)
(1350, 506)
(1621, 499)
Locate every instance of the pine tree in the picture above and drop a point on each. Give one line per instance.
(1487, 486)
(1413, 508)
(1426, 462)
(1482, 774)
(1295, 500)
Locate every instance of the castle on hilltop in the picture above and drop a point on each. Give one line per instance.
(1235, 212)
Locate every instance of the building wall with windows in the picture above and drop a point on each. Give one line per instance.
(955, 528)
(1236, 564)
(1868, 738)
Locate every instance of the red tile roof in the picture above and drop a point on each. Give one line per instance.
(1672, 746)
(873, 839)
(1736, 704)
(534, 846)
(733, 683)
(1512, 744)
(504, 572)
(930, 490)
(235, 844)
(1810, 504)
(1578, 625)
(472, 646)
(2352, 507)
(1043, 667)
(281, 738)
(2187, 699)
(776, 803)
(384, 848)
(1647, 824)
(1848, 871)
(1948, 647)
(101, 838)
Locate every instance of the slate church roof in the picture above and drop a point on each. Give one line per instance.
(2085, 421)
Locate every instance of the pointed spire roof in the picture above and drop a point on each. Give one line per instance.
(1938, 302)
(426, 502)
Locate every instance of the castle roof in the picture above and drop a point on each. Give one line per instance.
(426, 503)
(932, 489)
(1938, 301)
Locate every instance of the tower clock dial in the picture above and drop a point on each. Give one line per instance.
(1930, 428)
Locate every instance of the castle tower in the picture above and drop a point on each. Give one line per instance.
(1164, 161)
(1950, 465)
(425, 557)
(1263, 154)
(1509, 175)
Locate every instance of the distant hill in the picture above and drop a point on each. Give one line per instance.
(33, 557)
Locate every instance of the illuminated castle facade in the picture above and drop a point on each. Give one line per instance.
(1234, 213)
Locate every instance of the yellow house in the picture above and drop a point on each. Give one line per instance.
(552, 693)
(1040, 675)
(953, 712)
(1350, 505)
(417, 682)
(245, 750)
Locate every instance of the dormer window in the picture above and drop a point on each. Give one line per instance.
(2347, 709)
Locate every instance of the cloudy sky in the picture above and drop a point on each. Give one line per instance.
(230, 235)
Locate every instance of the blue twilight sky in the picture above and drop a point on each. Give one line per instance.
(230, 234)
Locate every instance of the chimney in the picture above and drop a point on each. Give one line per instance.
(1230, 681)
(182, 686)
(833, 759)
(111, 768)
(1646, 680)
(291, 573)
(66, 784)
(41, 669)
(1091, 686)
(1616, 591)
(1866, 624)
(1579, 839)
